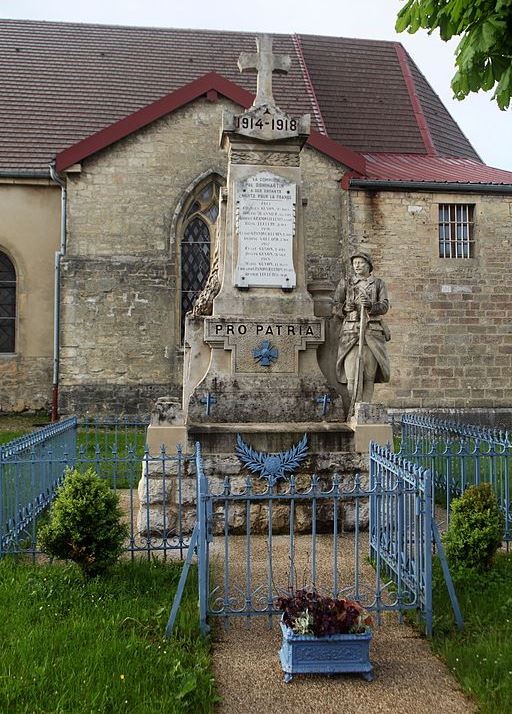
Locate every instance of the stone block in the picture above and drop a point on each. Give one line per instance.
(350, 511)
(365, 433)
(157, 522)
(157, 490)
(167, 437)
(187, 491)
(163, 465)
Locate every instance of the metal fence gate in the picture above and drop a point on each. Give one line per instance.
(259, 537)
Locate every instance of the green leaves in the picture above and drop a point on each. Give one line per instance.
(503, 91)
(484, 54)
(404, 19)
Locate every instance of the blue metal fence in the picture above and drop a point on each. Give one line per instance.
(250, 577)
(401, 531)
(310, 524)
(458, 456)
(114, 446)
(31, 470)
(157, 491)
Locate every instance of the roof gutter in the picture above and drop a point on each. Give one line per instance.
(57, 287)
(429, 186)
(24, 173)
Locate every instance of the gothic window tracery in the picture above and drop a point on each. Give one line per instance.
(7, 304)
(197, 230)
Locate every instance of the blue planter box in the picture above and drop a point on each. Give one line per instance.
(332, 654)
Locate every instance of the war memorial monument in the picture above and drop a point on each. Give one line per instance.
(266, 363)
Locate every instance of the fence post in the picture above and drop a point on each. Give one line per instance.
(507, 490)
(202, 549)
(427, 549)
(371, 522)
(3, 508)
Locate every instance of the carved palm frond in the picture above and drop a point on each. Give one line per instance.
(271, 466)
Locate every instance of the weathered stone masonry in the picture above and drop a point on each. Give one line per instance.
(120, 341)
(451, 319)
(116, 321)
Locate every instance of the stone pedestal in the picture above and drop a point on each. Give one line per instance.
(370, 423)
(167, 428)
(262, 337)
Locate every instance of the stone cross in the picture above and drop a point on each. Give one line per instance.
(264, 63)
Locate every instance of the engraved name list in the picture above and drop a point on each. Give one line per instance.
(265, 223)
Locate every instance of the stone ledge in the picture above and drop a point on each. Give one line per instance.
(283, 427)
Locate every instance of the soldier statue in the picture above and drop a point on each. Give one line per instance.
(359, 303)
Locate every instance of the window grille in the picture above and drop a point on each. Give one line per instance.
(7, 304)
(200, 215)
(456, 230)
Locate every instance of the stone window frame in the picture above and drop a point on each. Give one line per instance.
(13, 285)
(182, 218)
(456, 230)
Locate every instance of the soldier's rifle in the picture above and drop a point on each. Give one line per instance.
(358, 378)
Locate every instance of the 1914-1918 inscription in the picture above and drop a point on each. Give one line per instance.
(265, 221)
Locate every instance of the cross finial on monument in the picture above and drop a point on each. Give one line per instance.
(264, 63)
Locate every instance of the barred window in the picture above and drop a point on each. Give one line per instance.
(456, 230)
(7, 304)
(200, 215)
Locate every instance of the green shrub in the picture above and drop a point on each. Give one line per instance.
(476, 529)
(84, 524)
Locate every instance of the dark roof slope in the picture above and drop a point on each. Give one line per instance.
(61, 82)
(362, 94)
(446, 134)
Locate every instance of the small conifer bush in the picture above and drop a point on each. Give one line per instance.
(476, 529)
(85, 523)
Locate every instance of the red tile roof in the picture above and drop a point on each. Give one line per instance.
(63, 83)
(413, 168)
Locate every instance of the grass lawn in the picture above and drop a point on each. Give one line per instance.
(115, 452)
(480, 657)
(14, 425)
(75, 647)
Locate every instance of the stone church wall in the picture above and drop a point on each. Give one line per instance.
(451, 318)
(29, 235)
(120, 340)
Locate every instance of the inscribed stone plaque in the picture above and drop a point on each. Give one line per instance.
(265, 223)
(282, 340)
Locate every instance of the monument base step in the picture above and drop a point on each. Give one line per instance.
(217, 438)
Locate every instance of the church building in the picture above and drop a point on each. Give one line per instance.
(110, 177)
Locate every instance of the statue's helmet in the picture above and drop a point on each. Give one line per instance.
(364, 256)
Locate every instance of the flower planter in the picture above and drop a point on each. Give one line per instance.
(332, 654)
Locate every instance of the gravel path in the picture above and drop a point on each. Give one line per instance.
(408, 677)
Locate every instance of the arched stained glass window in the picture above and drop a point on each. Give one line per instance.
(198, 225)
(7, 304)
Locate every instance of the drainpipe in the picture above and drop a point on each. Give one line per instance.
(56, 300)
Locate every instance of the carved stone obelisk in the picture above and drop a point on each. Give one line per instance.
(253, 360)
